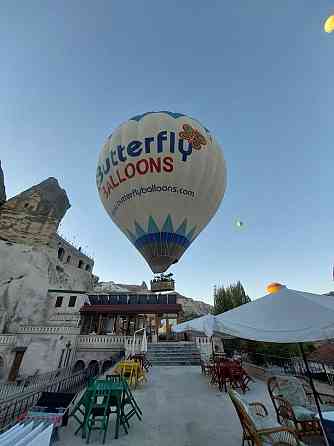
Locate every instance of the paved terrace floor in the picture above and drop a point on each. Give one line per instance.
(180, 409)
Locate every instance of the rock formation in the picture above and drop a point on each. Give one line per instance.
(26, 274)
(33, 216)
(2, 187)
(193, 307)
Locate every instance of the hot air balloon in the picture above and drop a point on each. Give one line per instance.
(273, 287)
(161, 177)
(238, 223)
(329, 24)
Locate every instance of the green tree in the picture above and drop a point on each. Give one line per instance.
(227, 298)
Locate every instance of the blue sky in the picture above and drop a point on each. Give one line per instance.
(259, 75)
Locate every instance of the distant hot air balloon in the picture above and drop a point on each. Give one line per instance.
(239, 224)
(273, 287)
(161, 177)
(329, 24)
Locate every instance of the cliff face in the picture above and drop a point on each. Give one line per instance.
(26, 274)
(2, 187)
(33, 216)
(191, 306)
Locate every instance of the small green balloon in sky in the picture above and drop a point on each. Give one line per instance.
(238, 223)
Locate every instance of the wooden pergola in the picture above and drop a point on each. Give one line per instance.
(125, 319)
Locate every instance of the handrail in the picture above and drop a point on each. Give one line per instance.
(16, 406)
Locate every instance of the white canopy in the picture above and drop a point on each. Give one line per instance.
(285, 316)
(205, 324)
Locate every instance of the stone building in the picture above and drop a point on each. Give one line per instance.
(50, 302)
(33, 260)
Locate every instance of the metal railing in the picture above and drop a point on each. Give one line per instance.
(30, 383)
(293, 365)
(14, 408)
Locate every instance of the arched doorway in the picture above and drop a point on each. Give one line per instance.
(2, 367)
(93, 368)
(107, 365)
(78, 366)
(61, 253)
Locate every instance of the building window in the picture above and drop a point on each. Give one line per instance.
(61, 253)
(81, 264)
(59, 301)
(72, 301)
(68, 259)
(87, 268)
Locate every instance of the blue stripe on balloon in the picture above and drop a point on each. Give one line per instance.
(172, 114)
(162, 237)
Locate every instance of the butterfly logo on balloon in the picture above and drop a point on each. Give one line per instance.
(193, 136)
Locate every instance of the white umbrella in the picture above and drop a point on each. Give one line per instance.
(143, 347)
(204, 324)
(287, 316)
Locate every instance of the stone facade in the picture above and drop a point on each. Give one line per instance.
(34, 260)
(43, 284)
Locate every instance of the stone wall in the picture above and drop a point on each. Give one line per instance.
(72, 256)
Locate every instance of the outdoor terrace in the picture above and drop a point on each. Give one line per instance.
(181, 409)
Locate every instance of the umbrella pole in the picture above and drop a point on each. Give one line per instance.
(315, 393)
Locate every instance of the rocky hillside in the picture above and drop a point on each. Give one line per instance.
(192, 307)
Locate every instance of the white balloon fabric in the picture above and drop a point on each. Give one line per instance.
(161, 177)
(287, 316)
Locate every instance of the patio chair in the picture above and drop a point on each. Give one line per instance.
(105, 401)
(205, 368)
(295, 406)
(259, 429)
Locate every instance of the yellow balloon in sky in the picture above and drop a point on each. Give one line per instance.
(273, 287)
(329, 24)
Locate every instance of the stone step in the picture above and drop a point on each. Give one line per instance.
(171, 350)
(173, 354)
(193, 355)
(176, 363)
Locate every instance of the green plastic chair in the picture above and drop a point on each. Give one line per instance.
(80, 411)
(110, 393)
(99, 411)
(129, 400)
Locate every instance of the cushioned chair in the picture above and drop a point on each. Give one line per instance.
(295, 405)
(260, 429)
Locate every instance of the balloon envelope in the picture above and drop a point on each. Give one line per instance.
(239, 224)
(329, 24)
(161, 177)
